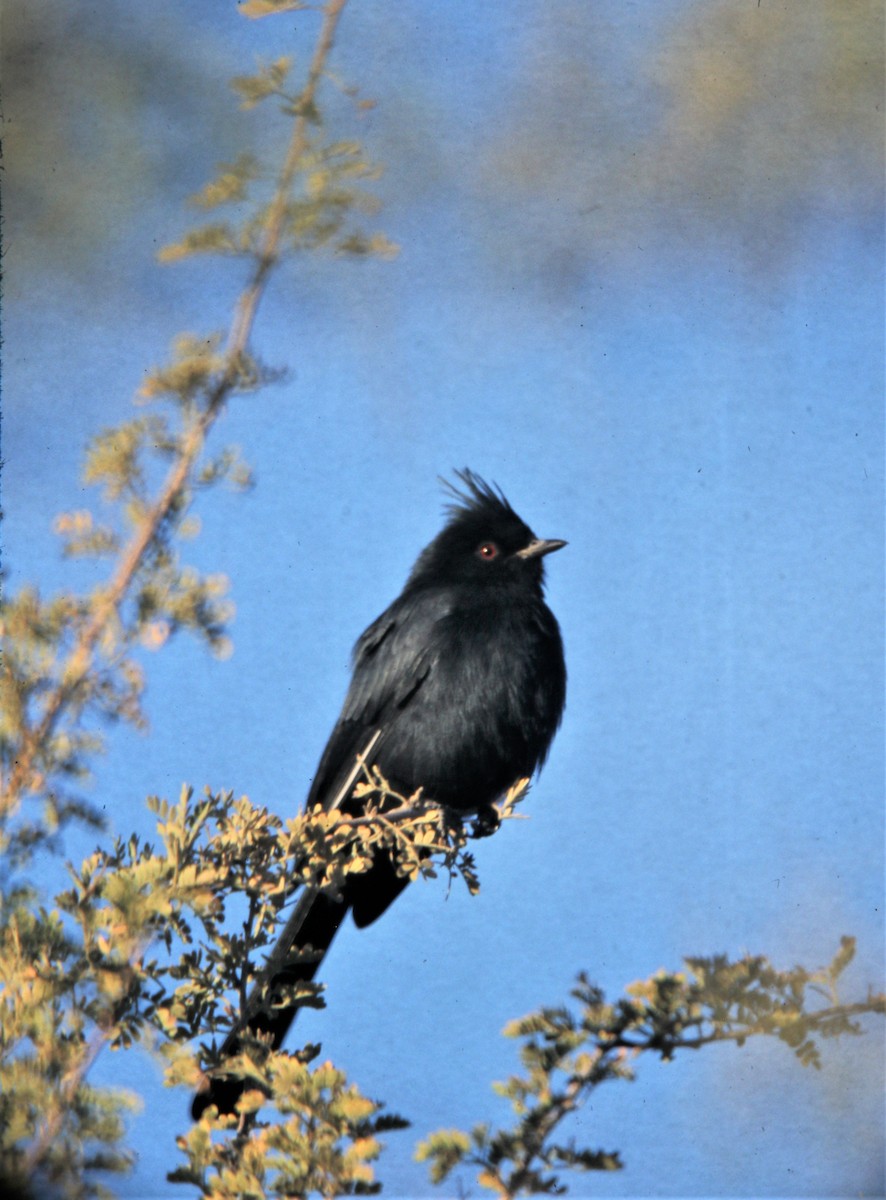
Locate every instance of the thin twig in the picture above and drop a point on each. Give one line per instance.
(875, 1004)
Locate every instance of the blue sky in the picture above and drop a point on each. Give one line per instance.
(640, 287)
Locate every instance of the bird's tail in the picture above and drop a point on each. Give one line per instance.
(296, 958)
(297, 955)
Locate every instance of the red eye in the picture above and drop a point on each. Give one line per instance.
(487, 550)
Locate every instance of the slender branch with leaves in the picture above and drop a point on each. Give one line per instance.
(68, 659)
(567, 1053)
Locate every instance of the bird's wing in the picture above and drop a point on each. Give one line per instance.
(392, 659)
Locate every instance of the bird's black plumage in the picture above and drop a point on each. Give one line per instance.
(457, 688)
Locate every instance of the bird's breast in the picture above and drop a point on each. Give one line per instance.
(487, 709)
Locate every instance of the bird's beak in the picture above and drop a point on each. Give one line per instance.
(539, 547)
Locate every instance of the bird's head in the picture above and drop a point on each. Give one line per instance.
(484, 542)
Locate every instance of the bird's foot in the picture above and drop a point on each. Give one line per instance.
(486, 822)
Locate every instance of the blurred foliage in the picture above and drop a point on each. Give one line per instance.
(567, 1054)
(743, 122)
(316, 219)
(71, 662)
(266, 8)
(85, 101)
(726, 128)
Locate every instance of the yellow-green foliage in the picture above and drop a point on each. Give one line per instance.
(158, 944)
(567, 1053)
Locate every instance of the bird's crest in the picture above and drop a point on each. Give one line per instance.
(474, 496)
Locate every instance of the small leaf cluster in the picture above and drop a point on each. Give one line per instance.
(34, 632)
(325, 188)
(567, 1053)
(44, 1040)
(332, 178)
(320, 1138)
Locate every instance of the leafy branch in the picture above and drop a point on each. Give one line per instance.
(71, 656)
(146, 945)
(567, 1054)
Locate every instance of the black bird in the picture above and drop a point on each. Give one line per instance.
(457, 688)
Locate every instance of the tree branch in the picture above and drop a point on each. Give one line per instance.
(80, 660)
